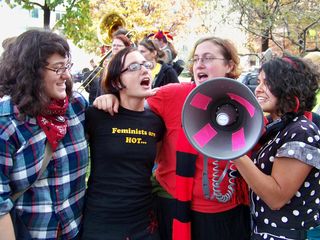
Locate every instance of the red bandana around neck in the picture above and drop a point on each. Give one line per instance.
(52, 121)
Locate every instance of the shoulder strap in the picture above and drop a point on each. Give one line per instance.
(46, 159)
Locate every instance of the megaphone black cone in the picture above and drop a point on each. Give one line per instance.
(222, 118)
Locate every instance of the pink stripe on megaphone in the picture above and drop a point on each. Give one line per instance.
(238, 140)
(200, 101)
(204, 135)
(250, 108)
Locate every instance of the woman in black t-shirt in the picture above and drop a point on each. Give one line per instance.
(123, 149)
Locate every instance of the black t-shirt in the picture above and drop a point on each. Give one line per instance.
(123, 149)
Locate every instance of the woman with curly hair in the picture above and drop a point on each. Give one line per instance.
(38, 108)
(283, 174)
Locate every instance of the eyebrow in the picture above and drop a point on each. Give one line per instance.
(59, 63)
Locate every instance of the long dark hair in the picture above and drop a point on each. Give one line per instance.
(21, 69)
(290, 79)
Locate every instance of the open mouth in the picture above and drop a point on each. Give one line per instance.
(202, 76)
(145, 82)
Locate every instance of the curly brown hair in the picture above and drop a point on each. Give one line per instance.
(290, 78)
(21, 69)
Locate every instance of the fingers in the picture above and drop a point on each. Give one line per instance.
(154, 91)
(108, 103)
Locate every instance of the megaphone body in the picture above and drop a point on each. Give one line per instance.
(222, 118)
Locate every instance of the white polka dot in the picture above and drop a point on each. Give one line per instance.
(306, 184)
(298, 194)
(293, 135)
(316, 174)
(303, 203)
(309, 211)
(316, 137)
(273, 224)
(303, 128)
(309, 156)
(317, 201)
(258, 198)
(310, 139)
(295, 119)
(311, 126)
(266, 221)
(296, 212)
(262, 155)
(312, 193)
(271, 159)
(303, 120)
(271, 238)
(256, 214)
(262, 209)
(284, 219)
(277, 140)
(285, 133)
(302, 224)
(291, 152)
(262, 165)
(302, 144)
(265, 236)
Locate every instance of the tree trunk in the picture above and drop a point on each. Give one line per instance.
(46, 16)
(265, 40)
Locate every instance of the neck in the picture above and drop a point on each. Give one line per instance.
(133, 104)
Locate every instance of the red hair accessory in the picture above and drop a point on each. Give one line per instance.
(297, 104)
(161, 35)
(292, 63)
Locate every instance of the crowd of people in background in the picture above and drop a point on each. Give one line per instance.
(146, 179)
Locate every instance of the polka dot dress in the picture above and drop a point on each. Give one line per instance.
(299, 140)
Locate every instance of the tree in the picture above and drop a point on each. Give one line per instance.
(145, 16)
(74, 23)
(283, 22)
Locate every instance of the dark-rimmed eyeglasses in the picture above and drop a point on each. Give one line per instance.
(60, 70)
(137, 66)
(204, 60)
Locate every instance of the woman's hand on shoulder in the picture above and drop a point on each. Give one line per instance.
(108, 103)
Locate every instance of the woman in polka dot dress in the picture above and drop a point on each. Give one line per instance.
(283, 174)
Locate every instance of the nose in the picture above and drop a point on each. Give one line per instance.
(66, 73)
(258, 89)
(198, 63)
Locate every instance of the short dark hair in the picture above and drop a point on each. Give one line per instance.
(112, 82)
(21, 69)
(228, 50)
(289, 78)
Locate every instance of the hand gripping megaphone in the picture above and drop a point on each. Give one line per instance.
(222, 118)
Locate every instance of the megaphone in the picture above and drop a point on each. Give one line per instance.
(222, 118)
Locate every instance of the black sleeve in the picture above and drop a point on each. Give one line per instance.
(171, 76)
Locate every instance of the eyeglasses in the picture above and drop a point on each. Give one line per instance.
(117, 45)
(137, 66)
(60, 70)
(204, 60)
